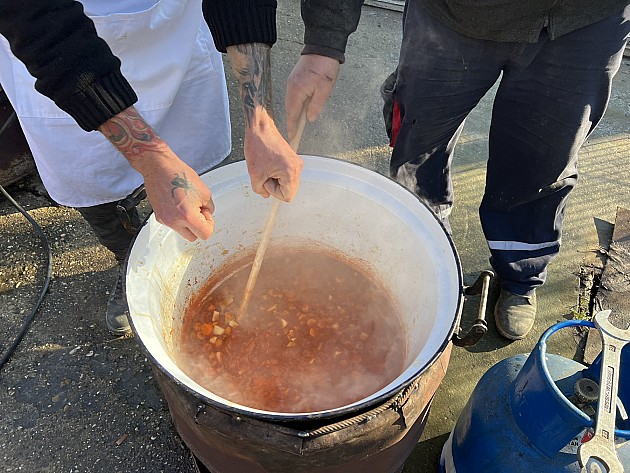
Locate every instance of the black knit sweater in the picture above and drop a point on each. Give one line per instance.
(77, 70)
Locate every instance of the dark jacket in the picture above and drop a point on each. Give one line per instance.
(328, 24)
(77, 70)
(520, 21)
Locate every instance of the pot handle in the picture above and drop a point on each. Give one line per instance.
(480, 327)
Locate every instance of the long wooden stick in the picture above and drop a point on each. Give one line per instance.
(271, 220)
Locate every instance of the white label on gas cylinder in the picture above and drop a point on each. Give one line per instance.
(579, 439)
(583, 437)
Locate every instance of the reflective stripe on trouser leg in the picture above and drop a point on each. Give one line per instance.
(549, 100)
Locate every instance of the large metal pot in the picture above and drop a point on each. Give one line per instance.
(343, 206)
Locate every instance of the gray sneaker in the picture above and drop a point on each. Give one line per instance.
(117, 314)
(514, 315)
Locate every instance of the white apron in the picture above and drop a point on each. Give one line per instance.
(169, 58)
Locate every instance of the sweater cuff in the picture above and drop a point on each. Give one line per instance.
(333, 41)
(324, 51)
(252, 25)
(99, 101)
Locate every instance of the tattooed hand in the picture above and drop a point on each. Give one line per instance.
(274, 168)
(181, 183)
(310, 84)
(179, 198)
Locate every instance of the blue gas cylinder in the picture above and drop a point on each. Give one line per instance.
(523, 415)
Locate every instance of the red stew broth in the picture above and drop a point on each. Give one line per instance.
(319, 333)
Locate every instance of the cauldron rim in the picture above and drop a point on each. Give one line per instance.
(371, 401)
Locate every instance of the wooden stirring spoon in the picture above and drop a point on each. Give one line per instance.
(271, 220)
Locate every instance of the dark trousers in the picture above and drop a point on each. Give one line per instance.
(108, 227)
(551, 95)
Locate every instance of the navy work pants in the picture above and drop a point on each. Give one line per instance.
(550, 97)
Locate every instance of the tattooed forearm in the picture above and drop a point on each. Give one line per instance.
(251, 65)
(131, 134)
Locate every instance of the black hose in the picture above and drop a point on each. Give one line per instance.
(16, 341)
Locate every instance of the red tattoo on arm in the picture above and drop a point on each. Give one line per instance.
(132, 135)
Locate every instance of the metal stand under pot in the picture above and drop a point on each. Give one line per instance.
(377, 440)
